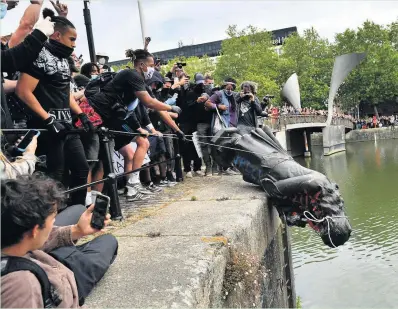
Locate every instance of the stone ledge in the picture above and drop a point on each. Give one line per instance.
(178, 256)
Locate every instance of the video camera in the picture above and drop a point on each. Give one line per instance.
(181, 64)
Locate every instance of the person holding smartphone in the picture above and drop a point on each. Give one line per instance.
(23, 165)
(29, 230)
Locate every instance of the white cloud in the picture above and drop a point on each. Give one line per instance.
(116, 23)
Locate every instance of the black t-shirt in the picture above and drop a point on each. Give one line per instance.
(246, 114)
(53, 89)
(124, 85)
(121, 89)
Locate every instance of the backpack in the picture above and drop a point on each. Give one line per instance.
(97, 85)
(101, 104)
(11, 264)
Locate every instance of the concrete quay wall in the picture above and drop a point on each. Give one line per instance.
(218, 245)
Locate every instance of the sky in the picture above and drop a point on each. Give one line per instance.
(116, 23)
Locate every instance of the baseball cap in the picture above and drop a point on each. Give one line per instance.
(167, 80)
(199, 78)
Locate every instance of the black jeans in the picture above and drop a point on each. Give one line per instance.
(64, 155)
(70, 215)
(188, 151)
(90, 261)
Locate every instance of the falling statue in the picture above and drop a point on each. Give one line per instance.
(305, 196)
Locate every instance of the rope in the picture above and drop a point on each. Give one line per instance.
(327, 218)
(230, 148)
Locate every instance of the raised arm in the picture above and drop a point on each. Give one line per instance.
(18, 57)
(28, 20)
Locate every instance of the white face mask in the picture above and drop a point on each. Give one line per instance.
(149, 73)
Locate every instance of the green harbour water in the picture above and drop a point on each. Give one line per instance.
(364, 272)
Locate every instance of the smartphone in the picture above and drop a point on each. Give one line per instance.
(100, 210)
(26, 140)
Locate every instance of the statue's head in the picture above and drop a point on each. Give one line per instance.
(323, 211)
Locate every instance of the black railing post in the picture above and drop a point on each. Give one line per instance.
(110, 187)
(89, 30)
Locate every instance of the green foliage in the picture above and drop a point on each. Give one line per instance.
(298, 301)
(311, 57)
(121, 67)
(204, 65)
(248, 54)
(375, 80)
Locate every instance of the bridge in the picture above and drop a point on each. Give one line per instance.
(292, 122)
(294, 132)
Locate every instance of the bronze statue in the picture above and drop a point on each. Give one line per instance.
(303, 195)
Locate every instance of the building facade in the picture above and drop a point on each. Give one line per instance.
(211, 49)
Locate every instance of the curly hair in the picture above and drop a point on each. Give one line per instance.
(27, 202)
(137, 55)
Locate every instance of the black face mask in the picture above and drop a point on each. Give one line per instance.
(58, 49)
(200, 88)
(165, 91)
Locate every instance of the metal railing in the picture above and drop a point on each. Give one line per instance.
(110, 178)
(279, 123)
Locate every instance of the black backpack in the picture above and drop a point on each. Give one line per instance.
(11, 264)
(97, 85)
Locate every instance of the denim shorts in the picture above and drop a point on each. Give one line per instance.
(91, 146)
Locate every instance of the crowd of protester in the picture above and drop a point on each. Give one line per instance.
(359, 123)
(152, 117)
(47, 87)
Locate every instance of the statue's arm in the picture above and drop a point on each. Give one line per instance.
(291, 186)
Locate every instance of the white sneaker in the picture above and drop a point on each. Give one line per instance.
(133, 189)
(198, 174)
(188, 175)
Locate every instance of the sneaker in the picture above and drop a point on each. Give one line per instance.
(138, 188)
(189, 175)
(137, 197)
(198, 173)
(166, 183)
(208, 172)
(121, 191)
(229, 172)
(170, 176)
(153, 188)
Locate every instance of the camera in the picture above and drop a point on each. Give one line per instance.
(181, 64)
(246, 96)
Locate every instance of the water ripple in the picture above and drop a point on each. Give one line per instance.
(363, 272)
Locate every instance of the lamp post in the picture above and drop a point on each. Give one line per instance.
(89, 29)
(142, 21)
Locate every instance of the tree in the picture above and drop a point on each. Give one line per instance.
(375, 80)
(311, 58)
(204, 65)
(393, 34)
(248, 55)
